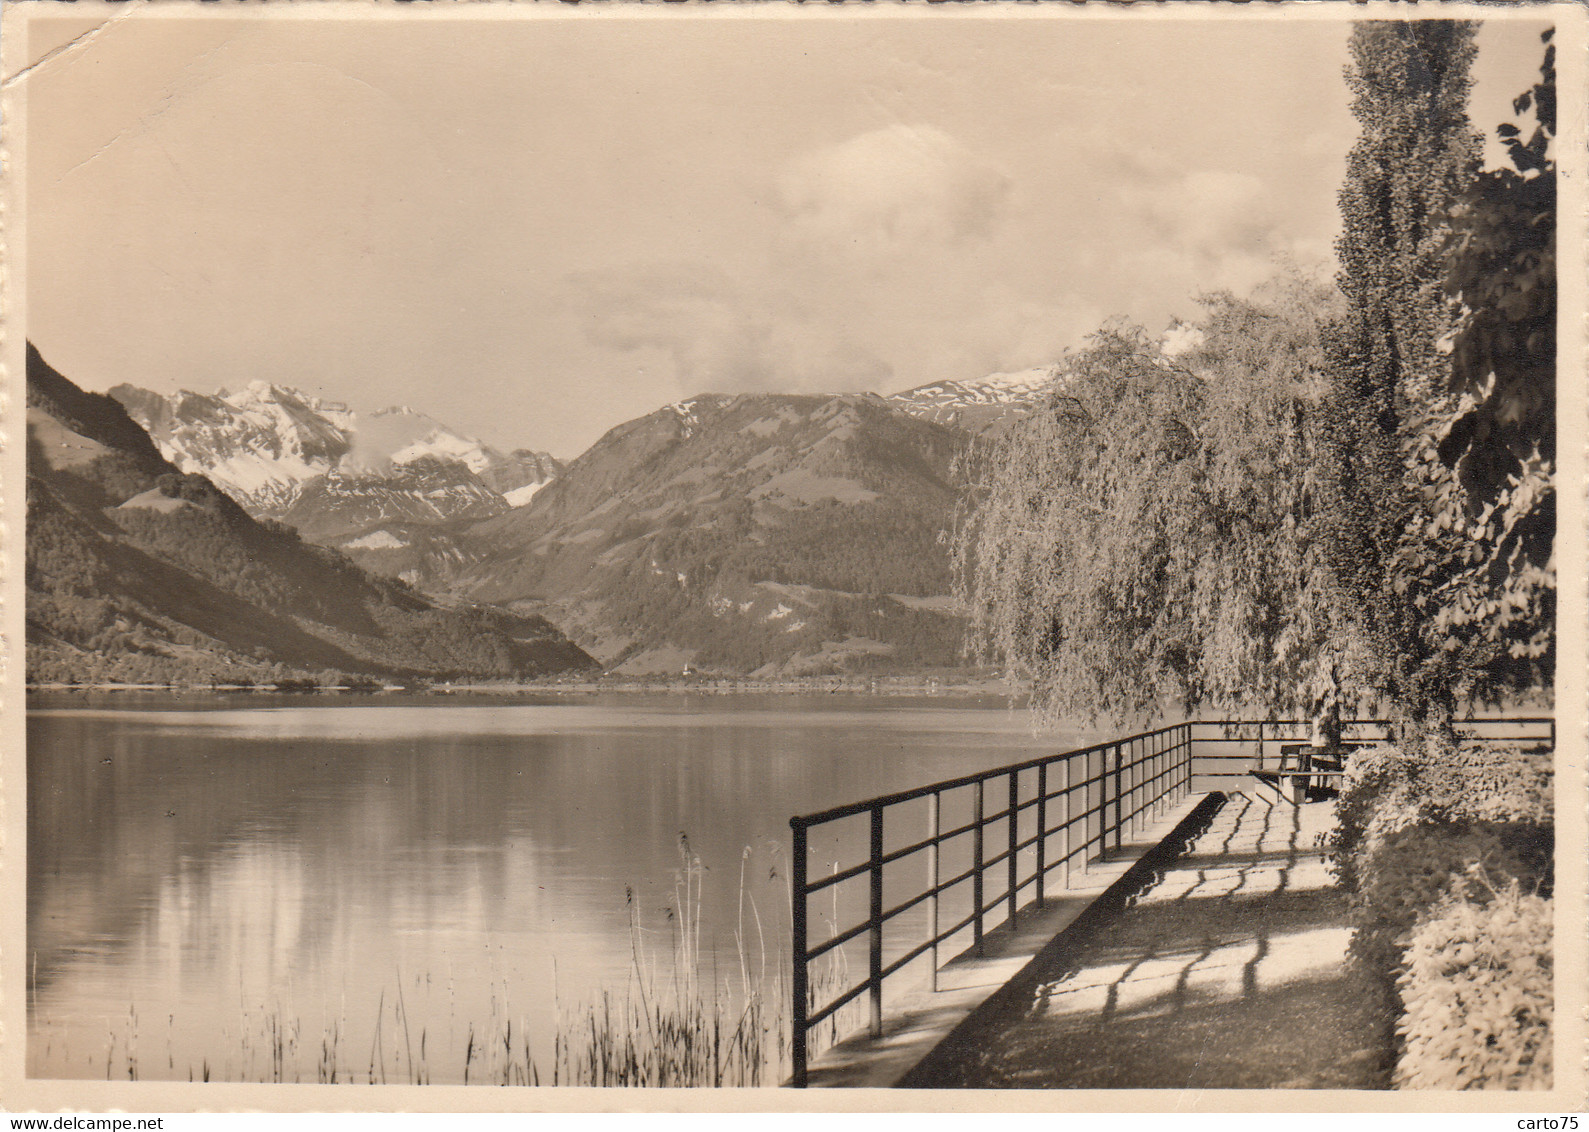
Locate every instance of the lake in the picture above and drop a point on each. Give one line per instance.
(258, 887)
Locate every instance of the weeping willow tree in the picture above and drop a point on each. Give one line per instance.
(1142, 541)
(1262, 522)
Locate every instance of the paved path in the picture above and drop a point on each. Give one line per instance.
(1229, 972)
(916, 1021)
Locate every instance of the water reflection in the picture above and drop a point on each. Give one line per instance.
(201, 874)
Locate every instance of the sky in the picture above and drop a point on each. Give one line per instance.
(536, 228)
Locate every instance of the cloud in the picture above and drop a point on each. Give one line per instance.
(902, 257)
(1180, 338)
(691, 312)
(1201, 229)
(891, 189)
(718, 335)
(1212, 213)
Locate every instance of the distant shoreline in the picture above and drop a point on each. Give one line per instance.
(881, 685)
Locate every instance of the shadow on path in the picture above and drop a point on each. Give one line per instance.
(1228, 971)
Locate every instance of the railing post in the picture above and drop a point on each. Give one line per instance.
(1012, 871)
(1103, 802)
(1116, 750)
(1132, 790)
(1065, 809)
(1122, 792)
(1167, 768)
(1183, 755)
(1172, 739)
(1092, 812)
(1139, 792)
(1042, 829)
(1173, 769)
(1150, 784)
(797, 916)
(875, 976)
(1152, 778)
(976, 865)
(933, 875)
(1158, 775)
(1136, 786)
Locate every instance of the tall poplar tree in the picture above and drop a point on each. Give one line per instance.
(1386, 362)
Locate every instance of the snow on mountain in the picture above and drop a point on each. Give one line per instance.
(689, 411)
(399, 436)
(119, 539)
(976, 403)
(259, 445)
(339, 503)
(266, 444)
(380, 540)
(520, 496)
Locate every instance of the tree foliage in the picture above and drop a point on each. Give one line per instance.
(1500, 443)
(1381, 489)
(1309, 511)
(1502, 273)
(1143, 538)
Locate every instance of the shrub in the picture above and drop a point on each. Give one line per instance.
(1505, 787)
(1477, 991)
(1423, 844)
(1377, 785)
(1407, 871)
(1489, 782)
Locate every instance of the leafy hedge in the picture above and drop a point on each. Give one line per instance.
(1408, 872)
(1503, 786)
(1477, 992)
(1424, 845)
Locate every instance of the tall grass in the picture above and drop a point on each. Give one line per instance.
(677, 1020)
(677, 1024)
(684, 1026)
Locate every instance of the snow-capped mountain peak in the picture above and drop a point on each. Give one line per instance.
(977, 402)
(398, 436)
(1020, 385)
(266, 443)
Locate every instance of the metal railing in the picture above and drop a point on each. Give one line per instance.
(1268, 734)
(1086, 798)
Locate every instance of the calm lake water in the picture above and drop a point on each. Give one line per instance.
(251, 885)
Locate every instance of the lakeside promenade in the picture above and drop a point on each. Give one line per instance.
(1222, 966)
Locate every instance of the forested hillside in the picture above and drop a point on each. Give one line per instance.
(774, 534)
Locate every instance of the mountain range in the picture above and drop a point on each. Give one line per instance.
(333, 473)
(137, 570)
(764, 534)
(778, 535)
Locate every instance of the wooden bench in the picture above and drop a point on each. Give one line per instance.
(1303, 766)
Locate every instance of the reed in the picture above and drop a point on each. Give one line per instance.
(677, 1021)
(690, 1030)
